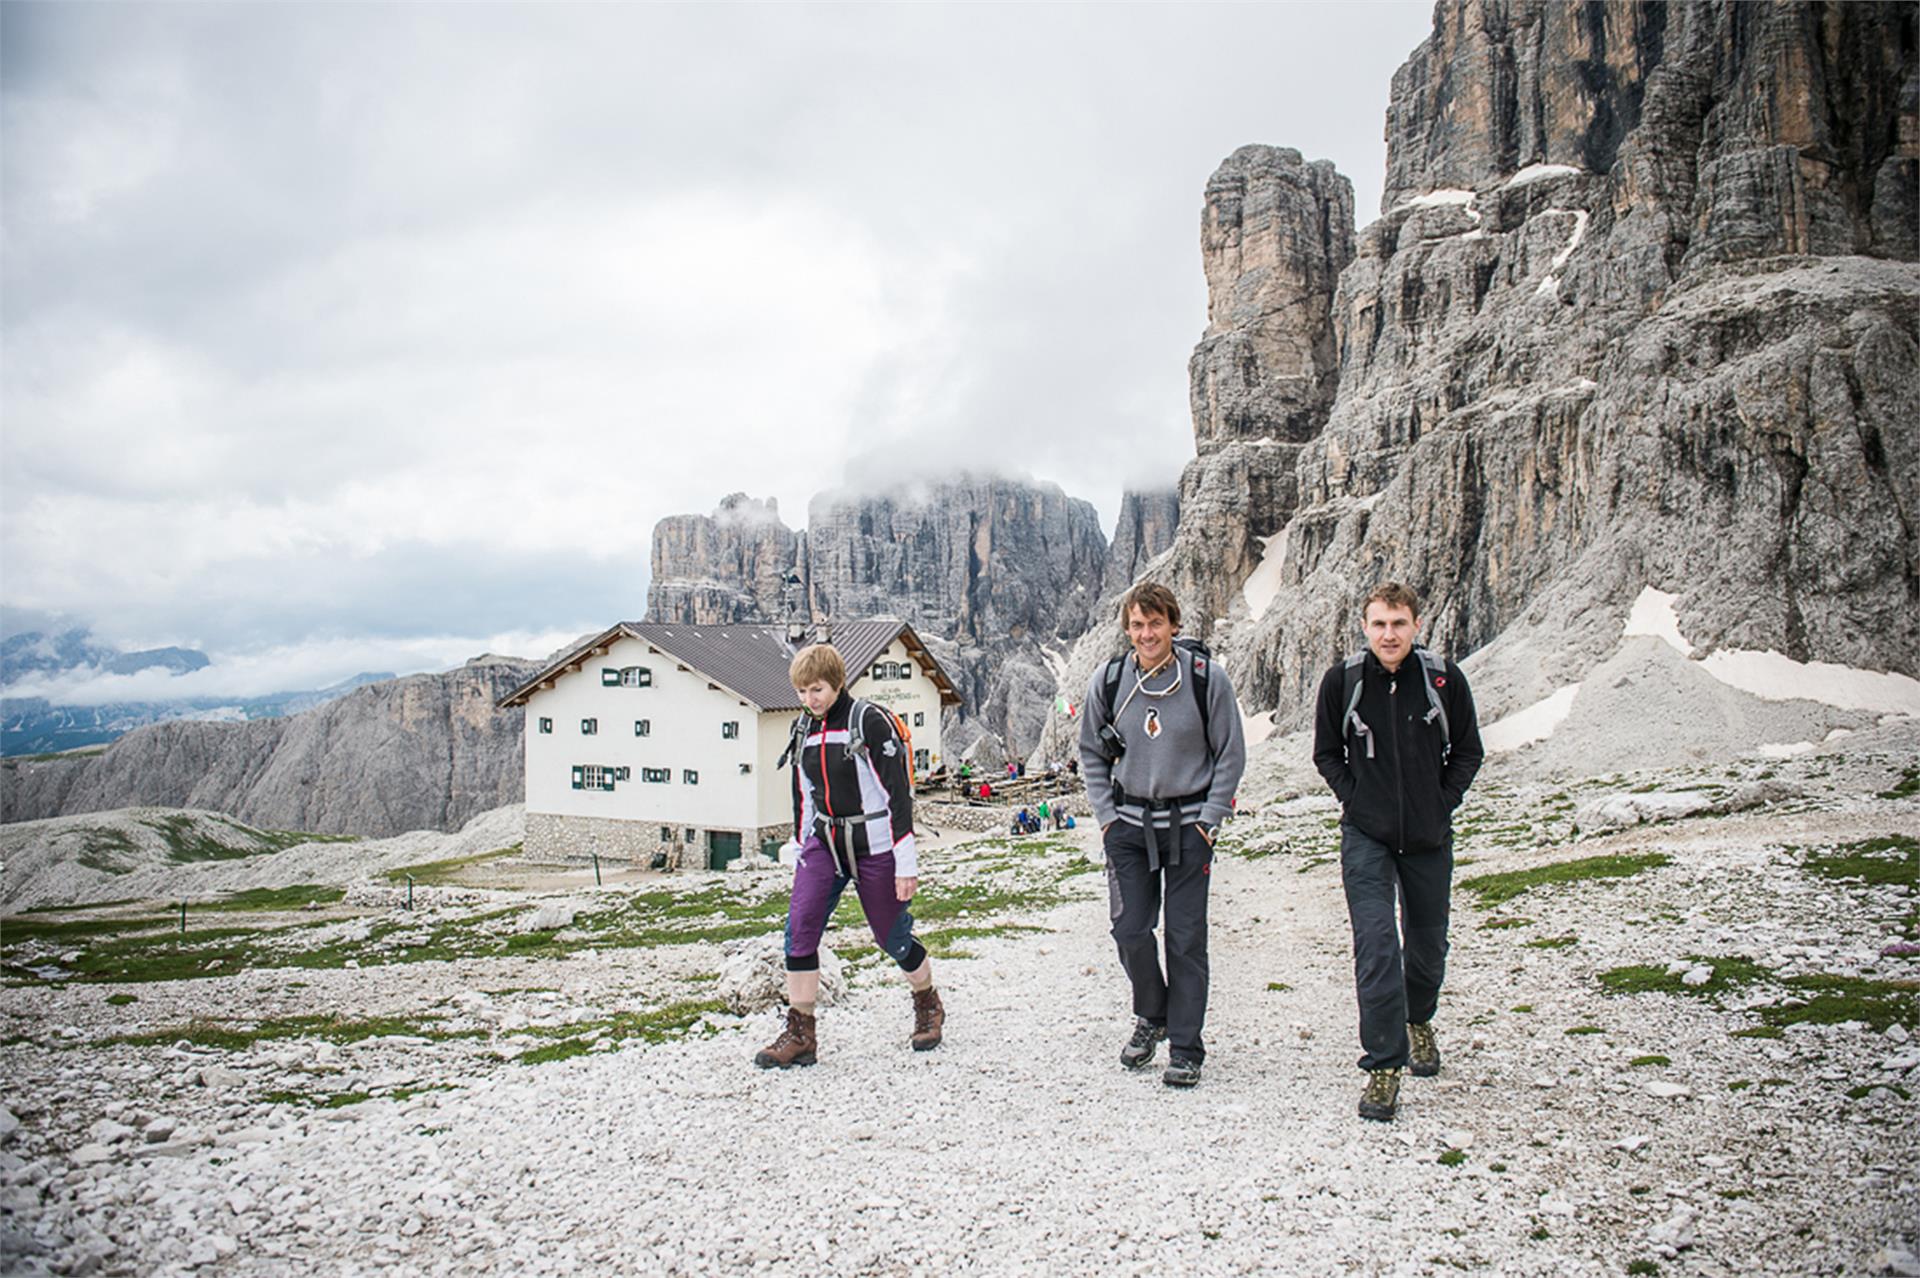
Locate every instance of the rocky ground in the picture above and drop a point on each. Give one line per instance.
(1677, 1036)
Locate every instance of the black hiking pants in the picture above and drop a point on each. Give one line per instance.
(1135, 894)
(1397, 980)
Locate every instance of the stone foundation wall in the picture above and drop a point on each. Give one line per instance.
(572, 839)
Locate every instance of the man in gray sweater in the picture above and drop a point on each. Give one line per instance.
(1162, 752)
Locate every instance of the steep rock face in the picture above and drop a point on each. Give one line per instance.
(1633, 316)
(1275, 234)
(423, 752)
(979, 559)
(721, 568)
(1146, 528)
(1003, 570)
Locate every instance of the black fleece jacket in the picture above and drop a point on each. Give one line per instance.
(1404, 795)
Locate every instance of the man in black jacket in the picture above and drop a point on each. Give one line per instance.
(1394, 734)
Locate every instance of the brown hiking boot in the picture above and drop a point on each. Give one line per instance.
(1382, 1096)
(795, 1046)
(1423, 1052)
(928, 1018)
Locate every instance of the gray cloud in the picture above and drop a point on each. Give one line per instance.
(332, 321)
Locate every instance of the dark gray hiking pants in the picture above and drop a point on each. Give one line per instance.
(1177, 999)
(1397, 982)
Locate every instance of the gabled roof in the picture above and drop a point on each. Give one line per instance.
(749, 661)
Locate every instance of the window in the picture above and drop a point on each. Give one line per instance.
(891, 670)
(626, 677)
(730, 730)
(594, 776)
(745, 768)
(656, 776)
(689, 776)
(643, 727)
(921, 763)
(623, 773)
(666, 834)
(693, 835)
(589, 726)
(919, 718)
(546, 725)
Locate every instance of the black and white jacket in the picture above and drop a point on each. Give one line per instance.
(856, 806)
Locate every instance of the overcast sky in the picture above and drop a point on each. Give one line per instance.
(362, 336)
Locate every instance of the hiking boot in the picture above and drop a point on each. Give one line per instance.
(795, 1046)
(1145, 1041)
(928, 1018)
(1182, 1071)
(1382, 1096)
(1424, 1053)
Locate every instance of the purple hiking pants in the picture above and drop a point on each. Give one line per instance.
(817, 885)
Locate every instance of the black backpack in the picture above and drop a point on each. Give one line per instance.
(1202, 674)
(1430, 666)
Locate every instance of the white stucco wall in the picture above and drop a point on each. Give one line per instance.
(685, 714)
(905, 697)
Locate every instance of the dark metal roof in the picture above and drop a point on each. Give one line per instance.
(750, 661)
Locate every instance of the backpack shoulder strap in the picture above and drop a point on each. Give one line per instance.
(1350, 689)
(857, 727)
(1202, 662)
(796, 737)
(1110, 685)
(1433, 665)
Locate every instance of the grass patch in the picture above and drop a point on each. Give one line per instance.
(286, 898)
(332, 1100)
(943, 942)
(1819, 999)
(437, 872)
(1278, 987)
(82, 909)
(1525, 1009)
(1494, 925)
(235, 1036)
(104, 848)
(1585, 1029)
(1906, 787)
(1453, 1158)
(669, 1022)
(1551, 942)
(1644, 978)
(120, 1000)
(1639, 1061)
(1539, 1233)
(1892, 859)
(1492, 889)
(20, 929)
(1642, 1267)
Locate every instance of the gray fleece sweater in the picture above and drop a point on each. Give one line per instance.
(1167, 755)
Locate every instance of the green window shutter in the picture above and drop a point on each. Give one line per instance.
(609, 677)
(579, 778)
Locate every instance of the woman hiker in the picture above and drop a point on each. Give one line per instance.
(853, 820)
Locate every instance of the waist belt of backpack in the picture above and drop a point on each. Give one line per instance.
(1177, 806)
(844, 856)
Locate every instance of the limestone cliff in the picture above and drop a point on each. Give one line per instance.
(720, 568)
(1145, 529)
(1641, 309)
(425, 752)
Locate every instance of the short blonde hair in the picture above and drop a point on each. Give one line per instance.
(818, 662)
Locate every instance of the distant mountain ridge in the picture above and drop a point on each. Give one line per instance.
(32, 653)
(424, 752)
(38, 725)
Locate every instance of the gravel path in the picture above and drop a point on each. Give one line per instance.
(1020, 1145)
